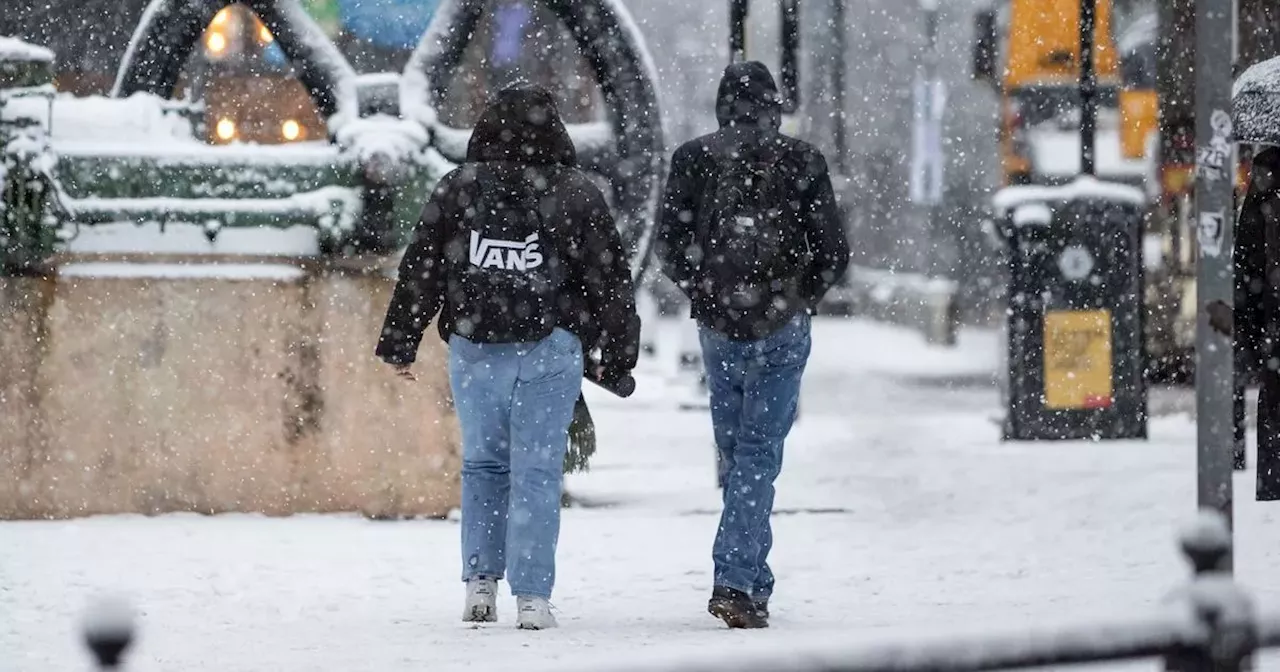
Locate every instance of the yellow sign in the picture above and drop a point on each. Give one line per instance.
(1077, 359)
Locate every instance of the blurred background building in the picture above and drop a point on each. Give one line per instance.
(252, 96)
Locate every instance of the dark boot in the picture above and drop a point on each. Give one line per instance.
(735, 608)
(762, 608)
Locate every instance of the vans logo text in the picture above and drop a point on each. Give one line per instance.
(510, 255)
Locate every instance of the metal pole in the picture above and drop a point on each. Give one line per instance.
(1088, 88)
(837, 84)
(790, 57)
(738, 30)
(931, 95)
(1215, 218)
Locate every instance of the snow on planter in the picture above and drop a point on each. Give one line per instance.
(121, 121)
(334, 210)
(382, 143)
(193, 238)
(1010, 198)
(220, 271)
(13, 49)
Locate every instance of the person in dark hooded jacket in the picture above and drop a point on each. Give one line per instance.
(1256, 322)
(751, 233)
(518, 254)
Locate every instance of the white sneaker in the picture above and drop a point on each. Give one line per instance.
(534, 613)
(482, 599)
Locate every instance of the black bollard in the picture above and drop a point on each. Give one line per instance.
(1222, 608)
(108, 631)
(1206, 542)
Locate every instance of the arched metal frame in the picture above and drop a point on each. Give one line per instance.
(170, 29)
(632, 163)
(605, 36)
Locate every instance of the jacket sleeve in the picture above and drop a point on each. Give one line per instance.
(824, 233)
(606, 276)
(677, 222)
(1250, 258)
(419, 291)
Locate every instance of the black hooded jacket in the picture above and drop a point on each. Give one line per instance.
(1257, 308)
(750, 113)
(520, 138)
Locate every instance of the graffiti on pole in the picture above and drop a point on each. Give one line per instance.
(1212, 159)
(1209, 232)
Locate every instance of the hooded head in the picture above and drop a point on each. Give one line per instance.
(748, 96)
(523, 126)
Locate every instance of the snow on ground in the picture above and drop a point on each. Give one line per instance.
(899, 512)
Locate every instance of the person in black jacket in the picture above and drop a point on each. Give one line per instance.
(751, 233)
(518, 253)
(1256, 322)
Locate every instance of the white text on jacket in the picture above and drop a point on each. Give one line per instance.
(510, 255)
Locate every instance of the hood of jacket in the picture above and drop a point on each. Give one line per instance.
(522, 126)
(748, 95)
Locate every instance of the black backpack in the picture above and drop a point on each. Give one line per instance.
(504, 275)
(750, 244)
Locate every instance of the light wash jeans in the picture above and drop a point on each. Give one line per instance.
(755, 390)
(514, 403)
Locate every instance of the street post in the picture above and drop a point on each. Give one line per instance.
(1215, 217)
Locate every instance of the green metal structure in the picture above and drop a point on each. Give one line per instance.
(361, 191)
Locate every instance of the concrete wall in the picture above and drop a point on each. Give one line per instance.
(257, 392)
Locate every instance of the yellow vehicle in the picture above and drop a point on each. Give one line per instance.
(1029, 51)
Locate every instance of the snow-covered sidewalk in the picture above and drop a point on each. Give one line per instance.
(900, 511)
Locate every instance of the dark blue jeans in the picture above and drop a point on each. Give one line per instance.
(755, 390)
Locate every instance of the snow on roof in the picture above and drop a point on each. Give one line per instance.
(13, 49)
(1083, 187)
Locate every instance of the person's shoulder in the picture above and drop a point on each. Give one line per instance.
(461, 176)
(578, 185)
(802, 149)
(697, 147)
(574, 177)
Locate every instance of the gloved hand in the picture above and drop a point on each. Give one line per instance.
(619, 354)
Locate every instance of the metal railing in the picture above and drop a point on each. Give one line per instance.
(1208, 625)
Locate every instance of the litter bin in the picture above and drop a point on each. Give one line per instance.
(1075, 347)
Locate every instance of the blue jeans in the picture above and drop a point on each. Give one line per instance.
(514, 403)
(755, 390)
